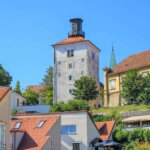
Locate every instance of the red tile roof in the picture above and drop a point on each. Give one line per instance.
(133, 62)
(34, 138)
(3, 92)
(36, 88)
(70, 40)
(105, 129)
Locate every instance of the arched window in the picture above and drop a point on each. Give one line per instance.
(2, 136)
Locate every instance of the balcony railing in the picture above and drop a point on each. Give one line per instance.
(71, 33)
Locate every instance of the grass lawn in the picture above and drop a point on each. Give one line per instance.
(125, 108)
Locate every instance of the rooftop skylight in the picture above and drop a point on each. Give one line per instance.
(40, 124)
(17, 125)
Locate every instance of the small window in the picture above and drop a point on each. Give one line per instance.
(144, 74)
(40, 124)
(68, 129)
(68, 53)
(112, 84)
(82, 60)
(2, 136)
(70, 91)
(93, 55)
(17, 101)
(59, 62)
(59, 74)
(17, 125)
(82, 72)
(70, 66)
(76, 146)
(70, 77)
(72, 53)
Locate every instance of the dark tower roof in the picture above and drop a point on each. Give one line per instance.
(76, 28)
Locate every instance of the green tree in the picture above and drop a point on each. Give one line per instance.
(144, 95)
(17, 88)
(47, 92)
(85, 89)
(5, 78)
(132, 84)
(31, 97)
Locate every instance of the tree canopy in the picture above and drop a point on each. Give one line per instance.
(85, 89)
(31, 97)
(17, 88)
(47, 92)
(5, 78)
(135, 88)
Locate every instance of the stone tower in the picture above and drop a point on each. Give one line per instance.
(74, 57)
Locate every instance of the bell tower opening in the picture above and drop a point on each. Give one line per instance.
(76, 28)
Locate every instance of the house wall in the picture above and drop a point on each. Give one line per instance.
(55, 136)
(86, 131)
(112, 96)
(14, 98)
(92, 132)
(83, 65)
(5, 117)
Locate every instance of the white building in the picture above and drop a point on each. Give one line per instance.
(78, 131)
(74, 57)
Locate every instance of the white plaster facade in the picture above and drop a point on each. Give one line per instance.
(16, 100)
(86, 130)
(85, 62)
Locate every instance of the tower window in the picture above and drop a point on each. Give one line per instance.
(70, 91)
(82, 72)
(70, 66)
(70, 53)
(59, 62)
(70, 77)
(82, 59)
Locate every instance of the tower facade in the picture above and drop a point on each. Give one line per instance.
(74, 57)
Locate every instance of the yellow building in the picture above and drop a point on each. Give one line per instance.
(5, 118)
(112, 77)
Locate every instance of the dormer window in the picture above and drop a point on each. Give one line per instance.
(17, 125)
(40, 124)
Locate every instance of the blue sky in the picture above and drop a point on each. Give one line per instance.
(28, 28)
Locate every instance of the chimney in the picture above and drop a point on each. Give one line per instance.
(76, 28)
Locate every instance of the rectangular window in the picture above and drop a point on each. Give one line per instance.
(76, 146)
(70, 91)
(68, 53)
(2, 136)
(72, 53)
(68, 129)
(70, 78)
(70, 66)
(112, 84)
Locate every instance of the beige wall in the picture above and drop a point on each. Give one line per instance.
(5, 116)
(112, 96)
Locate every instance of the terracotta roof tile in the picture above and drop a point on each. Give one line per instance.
(34, 138)
(133, 62)
(105, 129)
(36, 88)
(3, 92)
(71, 40)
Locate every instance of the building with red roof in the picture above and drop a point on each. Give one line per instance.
(4, 117)
(113, 77)
(36, 133)
(106, 129)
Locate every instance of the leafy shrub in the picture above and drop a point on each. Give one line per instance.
(71, 105)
